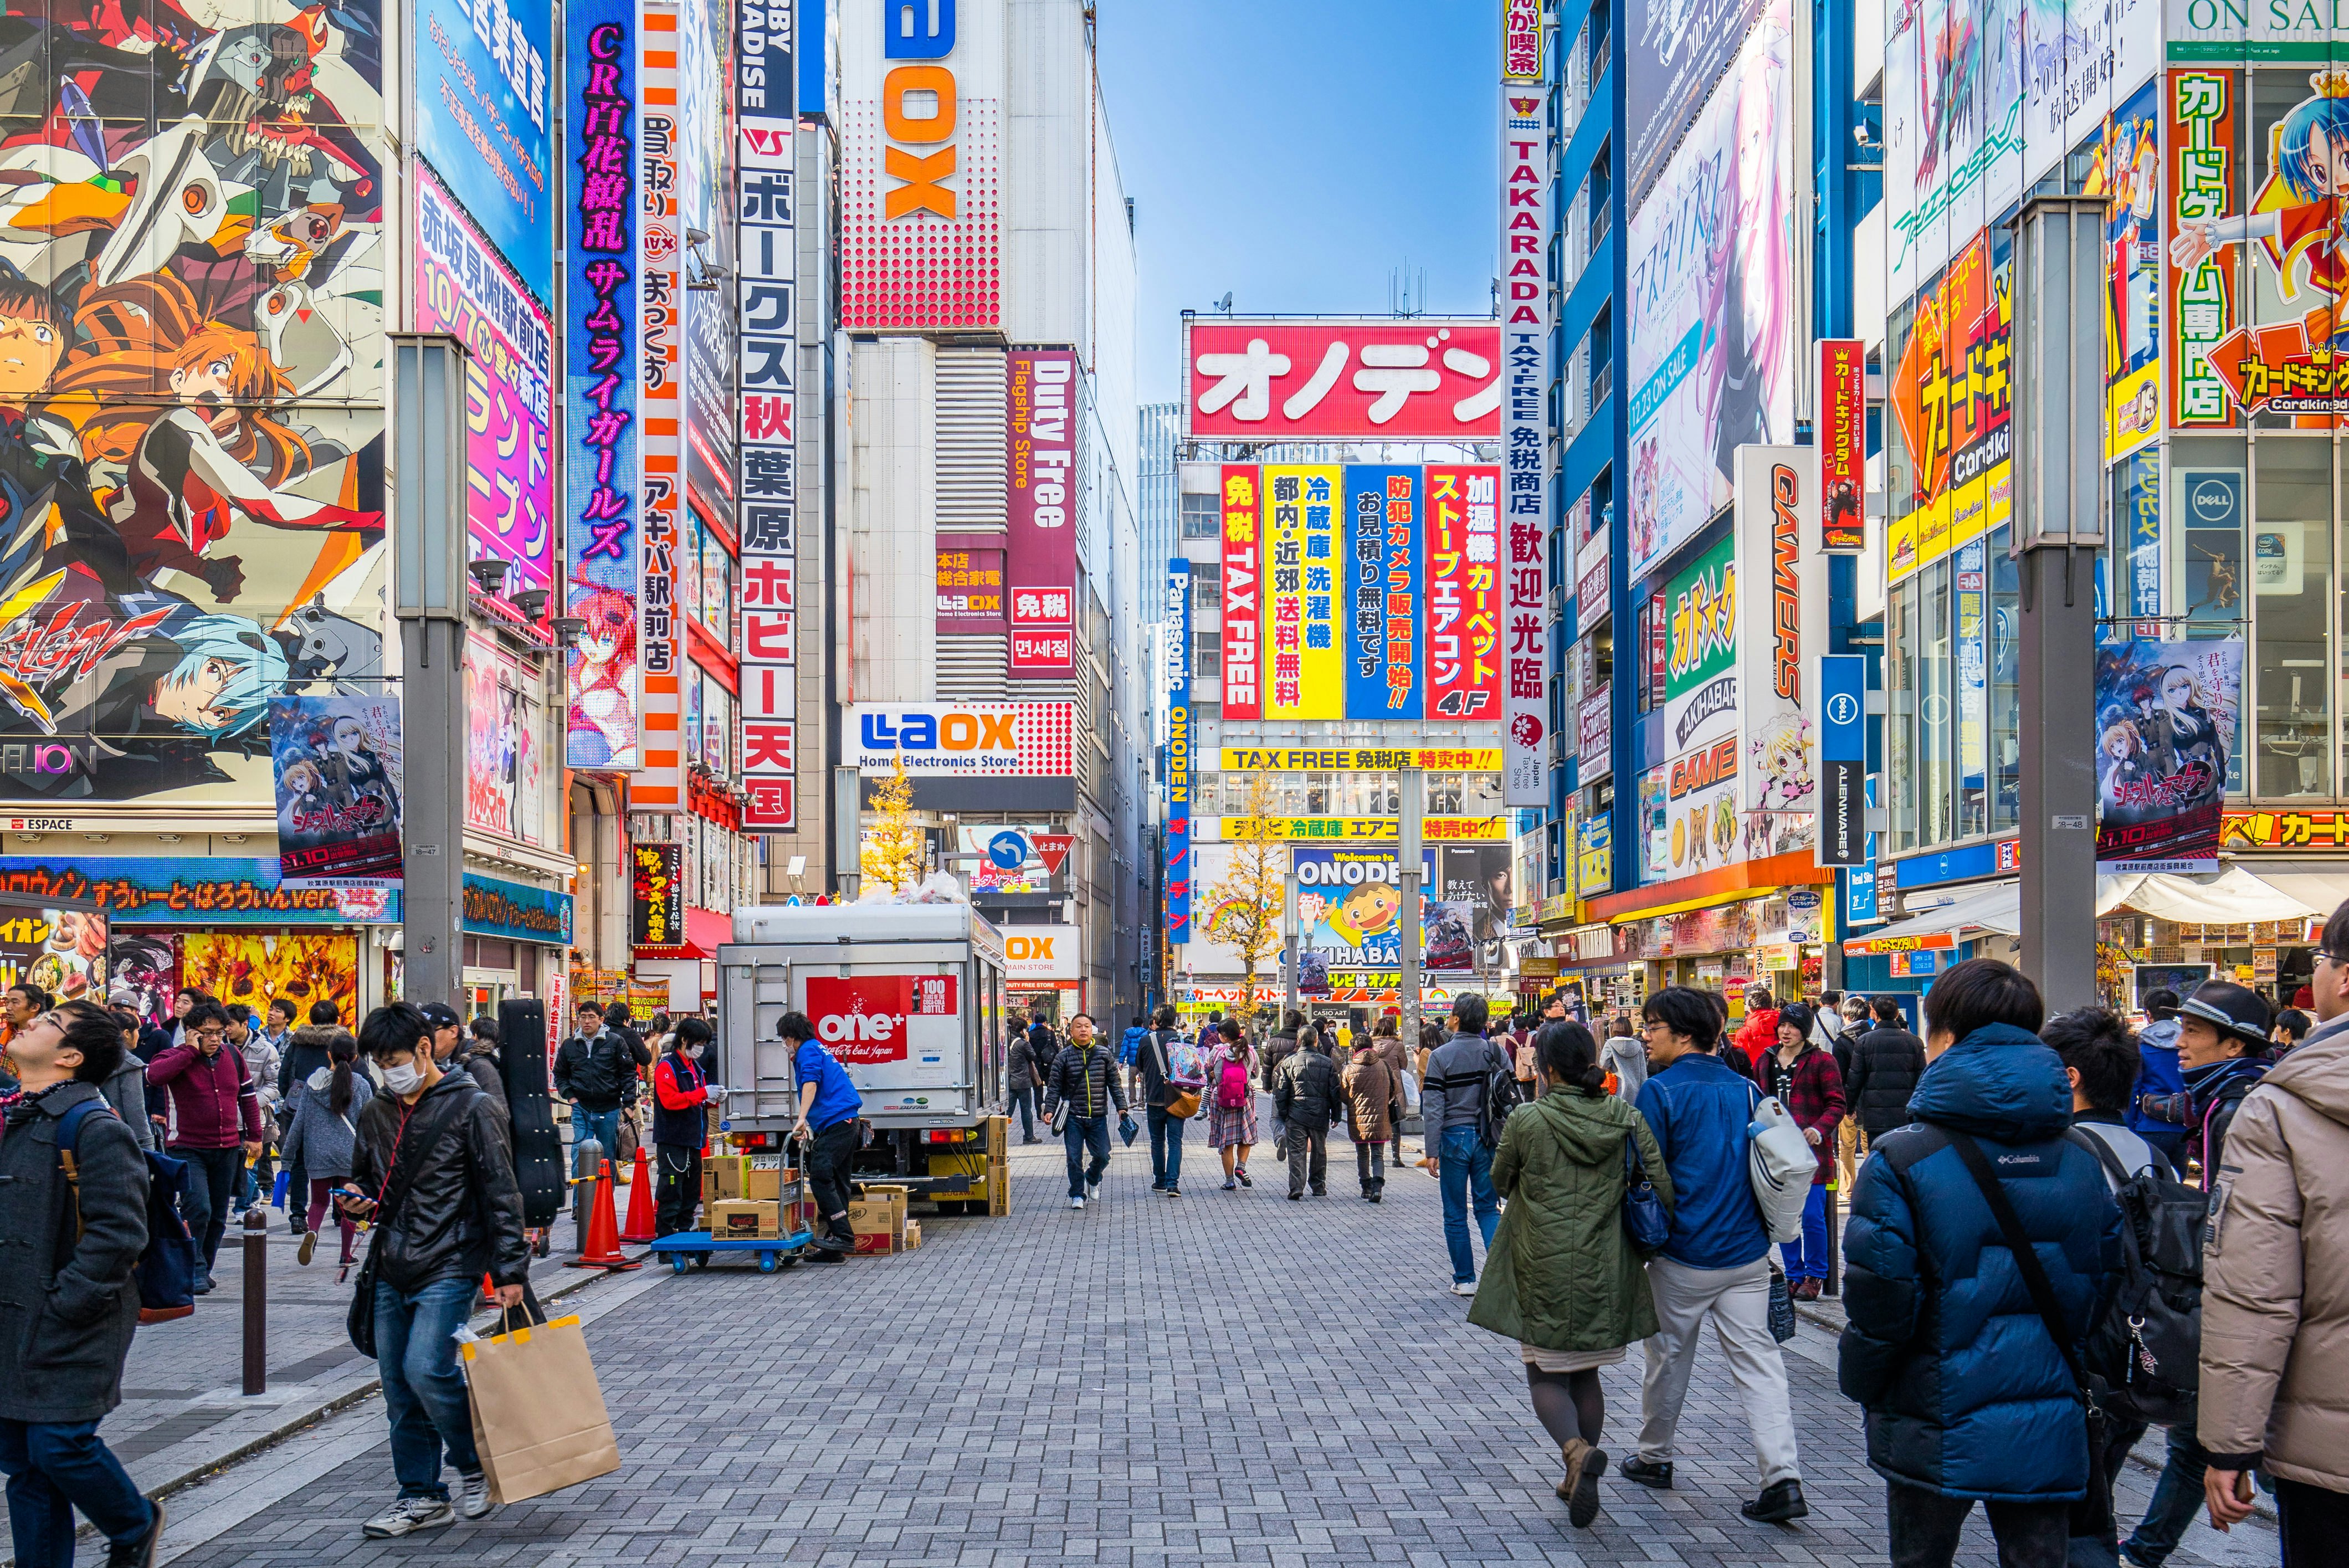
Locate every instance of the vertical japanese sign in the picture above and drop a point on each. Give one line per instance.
(2203, 173)
(600, 413)
(1379, 611)
(1464, 600)
(1842, 426)
(1300, 574)
(335, 762)
(1242, 593)
(1040, 471)
(767, 251)
(1525, 222)
(660, 784)
(1973, 665)
(1178, 751)
(656, 896)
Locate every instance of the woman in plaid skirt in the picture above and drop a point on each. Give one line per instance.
(1232, 1128)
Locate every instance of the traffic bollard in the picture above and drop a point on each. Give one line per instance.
(587, 1161)
(256, 1301)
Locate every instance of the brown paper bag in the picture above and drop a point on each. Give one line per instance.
(538, 1413)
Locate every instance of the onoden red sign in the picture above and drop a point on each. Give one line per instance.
(871, 1018)
(1394, 379)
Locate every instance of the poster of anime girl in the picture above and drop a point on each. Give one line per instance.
(2166, 716)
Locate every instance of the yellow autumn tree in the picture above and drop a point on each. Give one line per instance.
(895, 848)
(1248, 900)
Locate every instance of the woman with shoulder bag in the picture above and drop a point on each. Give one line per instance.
(1563, 1277)
(1231, 1102)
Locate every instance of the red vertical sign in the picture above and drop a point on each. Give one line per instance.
(1243, 601)
(1843, 446)
(1464, 597)
(1040, 567)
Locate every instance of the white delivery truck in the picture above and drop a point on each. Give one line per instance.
(910, 999)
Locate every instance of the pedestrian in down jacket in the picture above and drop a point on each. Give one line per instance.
(1023, 1078)
(2159, 1074)
(2275, 1297)
(1307, 1099)
(1279, 1045)
(1370, 1089)
(2222, 1029)
(1085, 1078)
(1967, 1395)
(1561, 1278)
(1886, 1064)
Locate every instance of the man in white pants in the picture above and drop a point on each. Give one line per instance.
(1716, 1264)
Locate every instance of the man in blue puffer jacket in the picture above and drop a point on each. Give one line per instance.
(1967, 1395)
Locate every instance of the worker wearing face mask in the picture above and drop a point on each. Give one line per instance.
(681, 1094)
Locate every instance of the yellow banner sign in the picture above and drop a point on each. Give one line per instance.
(1432, 829)
(1361, 759)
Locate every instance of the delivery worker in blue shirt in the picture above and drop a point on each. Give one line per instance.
(828, 1107)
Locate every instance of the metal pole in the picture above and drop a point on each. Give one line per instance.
(256, 1301)
(1414, 796)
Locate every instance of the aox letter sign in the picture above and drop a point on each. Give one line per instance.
(926, 32)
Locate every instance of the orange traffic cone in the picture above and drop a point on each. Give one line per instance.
(489, 1291)
(641, 1220)
(603, 1231)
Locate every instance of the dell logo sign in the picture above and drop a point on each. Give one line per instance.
(2213, 500)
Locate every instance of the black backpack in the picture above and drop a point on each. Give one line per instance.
(1500, 1094)
(2146, 1348)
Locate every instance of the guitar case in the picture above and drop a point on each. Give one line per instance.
(525, 1056)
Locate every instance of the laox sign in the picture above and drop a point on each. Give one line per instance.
(918, 32)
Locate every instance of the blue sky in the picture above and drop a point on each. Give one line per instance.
(1297, 152)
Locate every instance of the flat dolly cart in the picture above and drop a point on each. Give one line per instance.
(688, 1247)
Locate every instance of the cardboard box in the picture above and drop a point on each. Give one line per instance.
(743, 1217)
(998, 1136)
(879, 1221)
(998, 1188)
(728, 1174)
(913, 1235)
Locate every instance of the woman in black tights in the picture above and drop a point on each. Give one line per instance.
(1563, 1279)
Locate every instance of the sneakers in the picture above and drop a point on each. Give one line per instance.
(1584, 1465)
(1296, 1197)
(410, 1514)
(1230, 1186)
(1076, 1203)
(1093, 1191)
(1242, 1174)
(1157, 1187)
(1463, 1287)
(473, 1498)
(1647, 1472)
(1777, 1504)
(1172, 1190)
(309, 1245)
(140, 1553)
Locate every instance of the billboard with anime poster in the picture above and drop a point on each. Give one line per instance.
(190, 458)
(258, 967)
(339, 775)
(2165, 722)
(2126, 171)
(505, 786)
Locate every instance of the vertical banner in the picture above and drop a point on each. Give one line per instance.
(1379, 612)
(1526, 222)
(1308, 677)
(1784, 586)
(335, 762)
(767, 251)
(1464, 600)
(1842, 439)
(2166, 717)
(2205, 168)
(1178, 751)
(1040, 474)
(1243, 595)
(656, 897)
(1843, 759)
(660, 784)
(601, 309)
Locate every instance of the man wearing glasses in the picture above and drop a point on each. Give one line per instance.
(216, 1117)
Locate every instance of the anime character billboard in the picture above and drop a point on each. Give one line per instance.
(338, 772)
(190, 358)
(2166, 720)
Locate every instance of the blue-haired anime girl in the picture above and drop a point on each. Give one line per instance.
(2299, 211)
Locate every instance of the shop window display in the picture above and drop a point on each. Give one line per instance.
(2291, 566)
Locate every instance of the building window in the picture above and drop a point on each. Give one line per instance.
(1199, 518)
(1207, 655)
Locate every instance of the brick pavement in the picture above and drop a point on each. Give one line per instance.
(1012, 1394)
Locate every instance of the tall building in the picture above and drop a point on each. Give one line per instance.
(1158, 504)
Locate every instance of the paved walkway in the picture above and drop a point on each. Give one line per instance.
(1219, 1379)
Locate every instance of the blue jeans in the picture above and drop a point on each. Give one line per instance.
(1083, 1133)
(54, 1467)
(1465, 1163)
(604, 1126)
(1807, 1259)
(2176, 1499)
(1166, 1148)
(422, 1391)
(1024, 1102)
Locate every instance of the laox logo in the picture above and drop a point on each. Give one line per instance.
(954, 732)
(1037, 950)
(918, 30)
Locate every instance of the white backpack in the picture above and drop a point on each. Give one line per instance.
(1780, 1163)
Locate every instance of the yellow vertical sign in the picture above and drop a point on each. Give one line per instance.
(1304, 537)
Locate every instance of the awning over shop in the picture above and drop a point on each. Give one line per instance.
(1994, 911)
(2323, 892)
(2234, 896)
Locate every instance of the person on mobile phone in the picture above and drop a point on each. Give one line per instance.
(215, 1121)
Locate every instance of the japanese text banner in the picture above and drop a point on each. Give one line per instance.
(1243, 595)
(1305, 676)
(1399, 378)
(1463, 592)
(1378, 610)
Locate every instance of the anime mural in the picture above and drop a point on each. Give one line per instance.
(190, 365)
(257, 968)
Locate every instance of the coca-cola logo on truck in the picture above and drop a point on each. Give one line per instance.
(864, 1019)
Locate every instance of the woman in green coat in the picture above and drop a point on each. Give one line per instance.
(1562, 1278)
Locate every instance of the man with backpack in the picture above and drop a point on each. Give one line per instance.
(73, 1197)
(1982, 1245)
(2159, 1076)
(1470, 1090)
(1172, 1076)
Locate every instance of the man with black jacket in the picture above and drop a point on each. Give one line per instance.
(446, 1210)
(597, 1072)
(1886, 1064)
(1024, 1077)
(1153, 1060)
(1308, 1100)
(1085, 1077)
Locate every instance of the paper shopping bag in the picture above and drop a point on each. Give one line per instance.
(538, 1414)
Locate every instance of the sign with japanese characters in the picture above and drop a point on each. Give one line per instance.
(1361, 758)
(970, 585)
(1380, 588)
(1953, 400)
(656, 899)
(1361, 829)
(1463, 593)
(1595, 735)
(766, 344)
(484, 95)
(1179, 742)
(1044, 484)
(1784, 584)
(1379, 379)
(2128, 175)
(660, 781)
(602, 304)
(1842, 435)
(337, 765)
(2167, 717)
(1306, 676)
(1243, 597)
(1026, 740)
(1674, 50)
(1526, 321)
